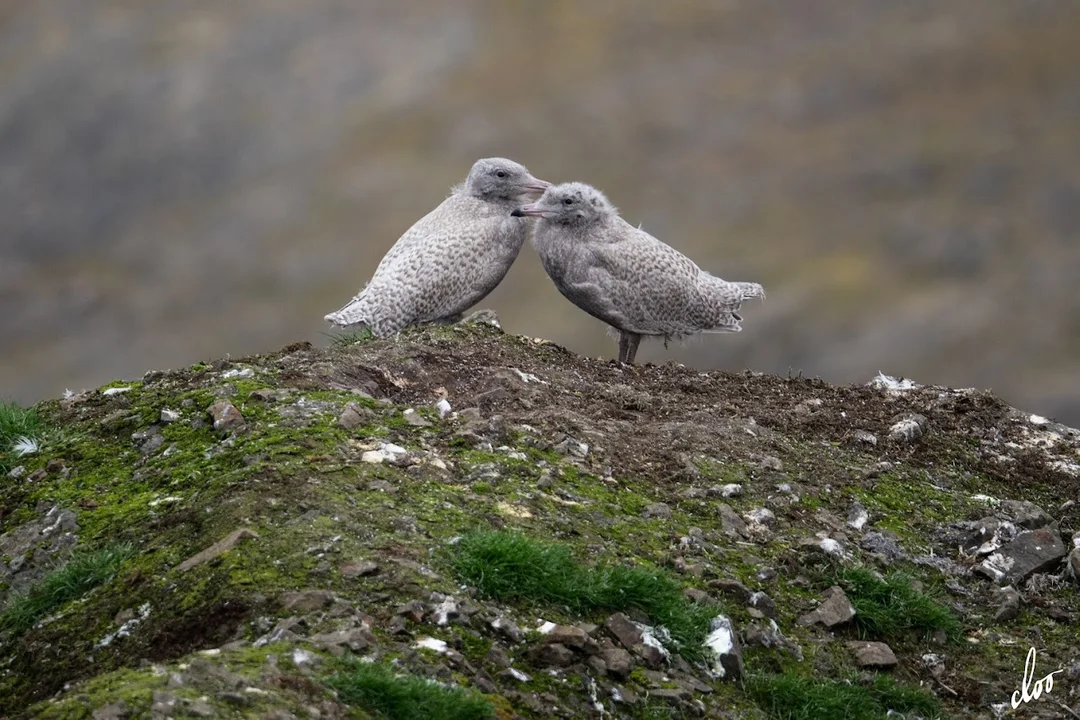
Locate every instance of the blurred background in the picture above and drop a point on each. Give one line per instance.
(187, 179)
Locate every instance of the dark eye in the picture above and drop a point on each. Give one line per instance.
(568, 201)
(500, 173)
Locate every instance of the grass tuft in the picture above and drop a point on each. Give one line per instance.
(81, 573)
(512, 566)
(377, 688)
(17, 422)
(790, 696)
(893, 608)
(345, 339)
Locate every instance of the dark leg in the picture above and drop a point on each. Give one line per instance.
(628, 345)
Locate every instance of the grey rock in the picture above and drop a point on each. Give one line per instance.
(413, 610)
(553, 655)
(1072, 567)
(698, 596)
(415, 419)
(908, 428)
(497, 656)
(881, 544)
(618, 662)
(202, 708)
(764, 603)
(570, 636)
(354, 416)
(507, 628)
(657, 510)
(1026, 514)
(363, 568)
(862, 437)
(355, 639)
(236, 699)
(730, 522)
(226, 416)
(872, 654)
(471, 231)
(624, 630)
(762, 517)
(769, 636)
(1031, 552)
(1009, 600)
(732, 588)
(835, 610)
(672, 696)
(305, 601)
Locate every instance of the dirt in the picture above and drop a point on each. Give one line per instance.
(543, 441)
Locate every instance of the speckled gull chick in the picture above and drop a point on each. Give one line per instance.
(624, 276)
(452, 258)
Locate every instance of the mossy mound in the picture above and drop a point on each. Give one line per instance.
(232, 539)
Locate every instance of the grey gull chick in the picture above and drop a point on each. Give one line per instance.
(452, 258)
(624, 276)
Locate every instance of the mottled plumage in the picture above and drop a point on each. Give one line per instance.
(626, 277)
(452, 258)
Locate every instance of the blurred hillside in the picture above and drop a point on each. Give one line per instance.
(184, 179)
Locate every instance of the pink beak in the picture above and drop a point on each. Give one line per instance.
(531, 210)
(537, 186)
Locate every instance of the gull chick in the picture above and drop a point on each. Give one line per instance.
(624, 276)
(452, 258)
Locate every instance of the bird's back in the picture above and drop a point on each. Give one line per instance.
(449, 260)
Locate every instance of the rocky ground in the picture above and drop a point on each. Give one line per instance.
(275, 536)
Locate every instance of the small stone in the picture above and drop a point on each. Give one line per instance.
(226, 416)
(732, 588)
(862, 437)
(123, 616)
(672, 696)
(908, 428)
(413, 610)
(764, 603)
(1072, 567)
(498, 657)
(356, 639)
(771, 463)
(568, 635)
(507, 628)
(872, 654)
(219, 548)
(364, 568)
(553, 655)
(651, 655)
(1009, 600)
(698, 596)
(624, 630)
(306, 601)
(835, 610)
(730, 522)
(657, 510)
(355, 416)
(619, 663)
(169, 416)
(201, 708)
(761, 516)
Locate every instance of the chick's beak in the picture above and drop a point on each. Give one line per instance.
(533, 185)
(528, 210)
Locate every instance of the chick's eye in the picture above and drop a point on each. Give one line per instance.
(568, 201)
(500, 173)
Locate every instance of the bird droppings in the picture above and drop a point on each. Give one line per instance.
(115, 390)
(430, 643)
